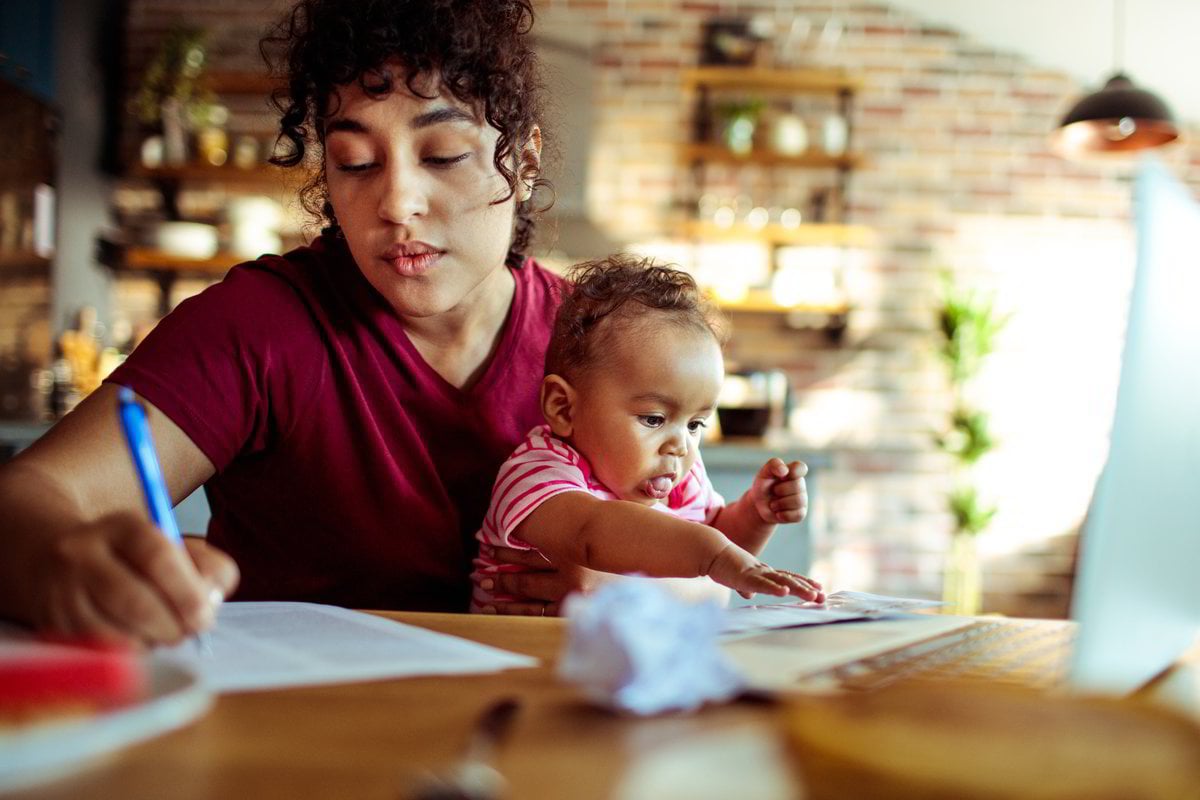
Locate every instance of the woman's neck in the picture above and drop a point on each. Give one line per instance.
(458, 344)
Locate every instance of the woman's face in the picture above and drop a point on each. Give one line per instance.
(412, 182)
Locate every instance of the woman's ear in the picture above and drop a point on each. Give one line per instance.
(558, 404)
(529, 164)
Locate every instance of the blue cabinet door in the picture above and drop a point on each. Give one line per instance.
(27, 44)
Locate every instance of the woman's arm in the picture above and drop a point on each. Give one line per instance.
(79, 555)
(622, 537)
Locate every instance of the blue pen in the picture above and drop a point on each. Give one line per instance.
(145, 459)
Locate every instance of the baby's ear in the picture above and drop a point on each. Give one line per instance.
(558, 404)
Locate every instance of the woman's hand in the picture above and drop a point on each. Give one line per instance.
(746, 575)
(118, 579)
(779, 492)
(541, 590)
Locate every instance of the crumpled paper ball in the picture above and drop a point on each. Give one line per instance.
(633, 646)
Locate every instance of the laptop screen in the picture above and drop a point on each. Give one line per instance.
(1137, 594)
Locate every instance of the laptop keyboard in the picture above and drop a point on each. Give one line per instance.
(1033, 654)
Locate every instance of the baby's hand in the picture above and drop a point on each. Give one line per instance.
(779, 492)
(746, 575)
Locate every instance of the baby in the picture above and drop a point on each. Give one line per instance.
(613, 481)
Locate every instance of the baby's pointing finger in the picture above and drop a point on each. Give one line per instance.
(766, 581)
(795, 584)
(810, 581)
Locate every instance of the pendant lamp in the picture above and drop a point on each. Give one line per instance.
(1119, 118)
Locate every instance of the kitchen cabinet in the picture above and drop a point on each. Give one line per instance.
(27, 47)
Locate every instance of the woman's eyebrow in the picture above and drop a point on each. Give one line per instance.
(434, 116)
(439, 115)
(345, 124)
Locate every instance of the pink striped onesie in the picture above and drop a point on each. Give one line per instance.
(544, 465)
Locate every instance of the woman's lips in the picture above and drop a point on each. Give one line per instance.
(414, 265)
(411, 259)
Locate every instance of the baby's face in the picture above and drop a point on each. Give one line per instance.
(638, 419)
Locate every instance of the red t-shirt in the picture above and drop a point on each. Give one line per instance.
(348, 471)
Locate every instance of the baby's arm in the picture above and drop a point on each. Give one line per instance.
(623, 537)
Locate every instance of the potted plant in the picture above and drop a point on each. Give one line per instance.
(739, 122)
(172, 97)
(968, 326)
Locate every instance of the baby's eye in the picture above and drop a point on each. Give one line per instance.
(697, 425)
(652, 420)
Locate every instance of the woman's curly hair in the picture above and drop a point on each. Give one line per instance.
(620, 289)
(479, 48)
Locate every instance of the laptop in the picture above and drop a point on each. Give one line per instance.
(1136, 599)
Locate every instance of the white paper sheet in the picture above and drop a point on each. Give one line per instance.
(272, 645)
(838, 607)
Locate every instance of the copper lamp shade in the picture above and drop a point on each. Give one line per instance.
(1118, 118)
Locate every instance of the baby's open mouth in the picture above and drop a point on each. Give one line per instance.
(658, 487)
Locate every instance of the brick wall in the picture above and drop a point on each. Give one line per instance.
(959, 176)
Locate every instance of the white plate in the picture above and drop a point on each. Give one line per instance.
(45, 751)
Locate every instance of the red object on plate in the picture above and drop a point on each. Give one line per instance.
(37, 675)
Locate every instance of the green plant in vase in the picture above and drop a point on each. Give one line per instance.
(739, 122)
(969, 326)
(172, 97)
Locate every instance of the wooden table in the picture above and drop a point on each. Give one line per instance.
(367, 740)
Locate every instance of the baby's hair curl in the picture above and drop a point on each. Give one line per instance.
(607, 293)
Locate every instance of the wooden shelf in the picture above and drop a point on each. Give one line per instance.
(263, 174)
(772, 80)
(227, 82)
(807, 233)
(23, 263)
(719, 154)
(147, 259)
(760, 301)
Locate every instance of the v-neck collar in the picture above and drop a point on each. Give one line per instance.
(384, 318)
(508, 338)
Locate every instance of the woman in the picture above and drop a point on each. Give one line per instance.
(345, 405)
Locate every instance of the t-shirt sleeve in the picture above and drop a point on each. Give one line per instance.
(540, 468)
(224, 365)
(694, 498)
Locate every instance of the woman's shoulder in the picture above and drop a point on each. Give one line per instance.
(264, 291)
(545, 283)
(283, 277)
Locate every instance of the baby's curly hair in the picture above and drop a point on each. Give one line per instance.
(621, 289)
(479, 48)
